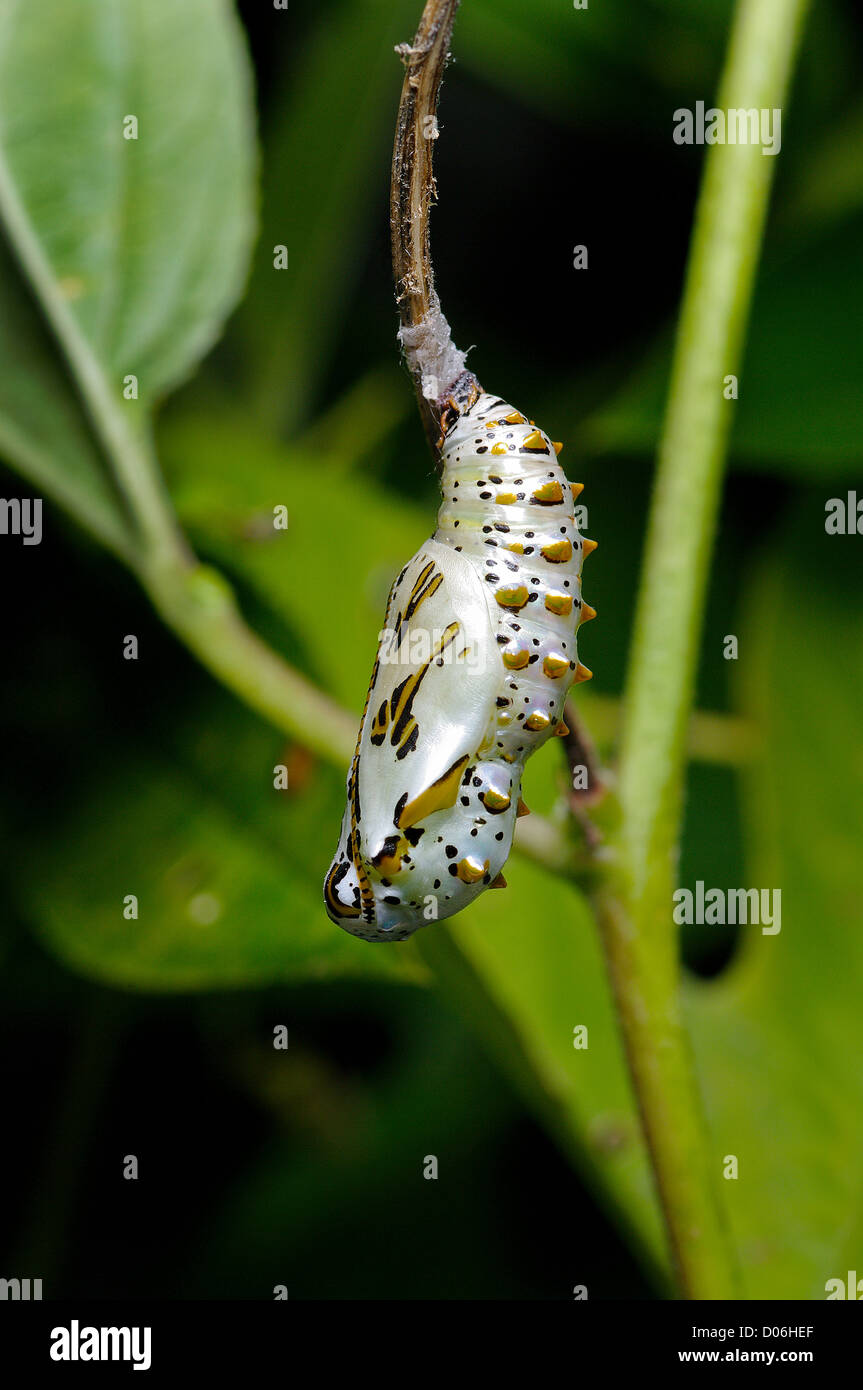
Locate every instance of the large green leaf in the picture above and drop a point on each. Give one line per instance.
(133, 249)
(527, 969)
(43, 431)
(776, 1037)
(226, 870)
(316, 574)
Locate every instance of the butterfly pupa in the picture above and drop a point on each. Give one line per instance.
(477, 652)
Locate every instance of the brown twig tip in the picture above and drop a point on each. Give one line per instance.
(588, 783)
(436, 364)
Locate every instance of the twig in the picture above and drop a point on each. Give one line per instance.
(436, 365)
(582, 758)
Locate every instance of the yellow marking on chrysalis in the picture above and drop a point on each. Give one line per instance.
(556, 446)
(548, 493)
(421, 578)
(534, 442)
(439, 796)
(505, 499)
(334, 903)
(577, 490)
(388, 865)
(380, 722)
(498, 449)
(561, 604)
(560, 729)
(557, 552)
(515, 597)
(523, 809)
(418, 595)
(410, 687)
(504, 719)
(513, 419)
(589, 546)
(537, 722)
(432, 589)
(487, 743)
(499, 882)
(494, 800)
(587, 612)
(582, 673)
(516, 547)
(407, 732)
(471, 870)
(554, 666)
(516, 661)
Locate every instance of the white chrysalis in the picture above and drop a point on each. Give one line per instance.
(477, 654)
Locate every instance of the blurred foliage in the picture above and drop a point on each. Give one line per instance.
(140, 778)
(772, 1034)
(133, 238)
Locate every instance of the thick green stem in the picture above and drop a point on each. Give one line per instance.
(635, 903)
(199, 606)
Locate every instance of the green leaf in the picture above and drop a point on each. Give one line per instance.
(134, 249)
(315, 574)
(43, 431)
(227, 871)
(146, 238)
(775, 1037)
(525, 967)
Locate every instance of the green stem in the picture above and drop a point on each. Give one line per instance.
(198, 604)
(635, 903)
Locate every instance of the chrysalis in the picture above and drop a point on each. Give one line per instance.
(477, 653)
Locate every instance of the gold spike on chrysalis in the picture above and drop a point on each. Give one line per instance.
(577, 490)
(587, 612)
(589, 546)
(558, 603)
(470, 869)
(534, 443)
(582, 673)
(523, 809)
(493, 800)
(499, 882)
(517, 660)
(561, 730)
(554, 665)
(557, 446)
